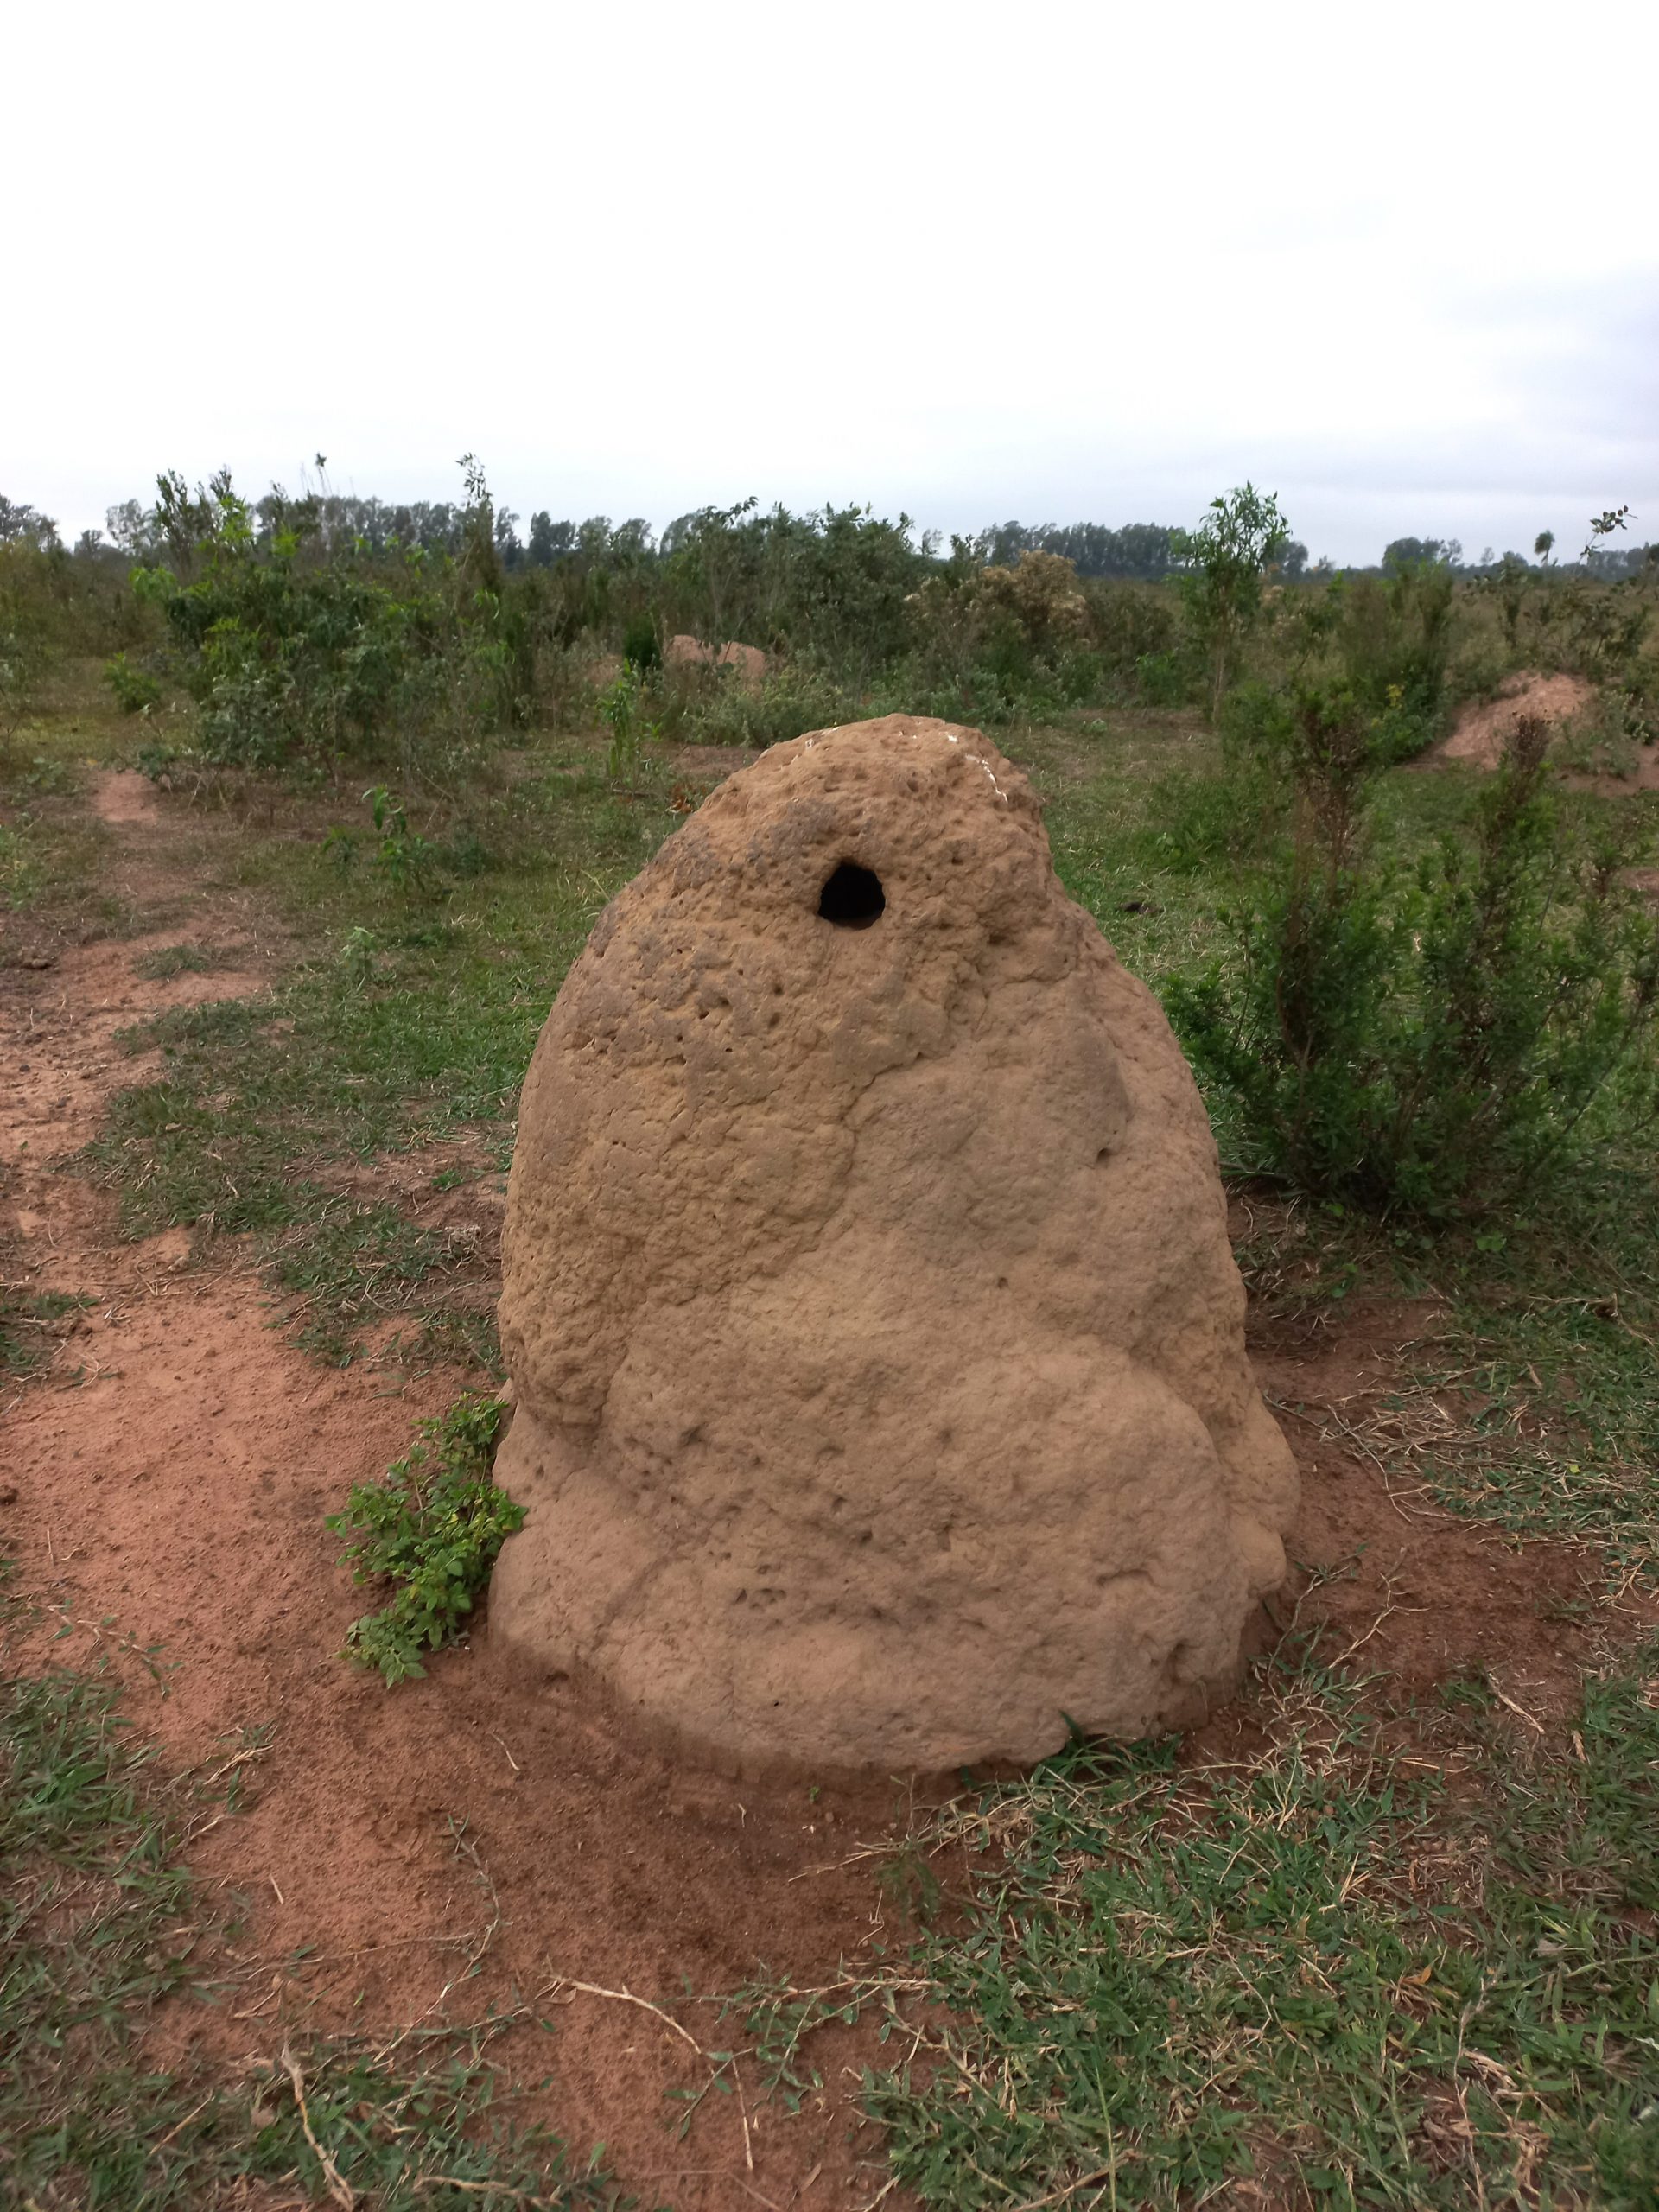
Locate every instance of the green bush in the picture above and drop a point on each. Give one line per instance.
(641, 647)
(1130, 623)
(1163, 679)
(432, 1528)
(134, 689)
(1394, 636)
(287, 656)
(304, 650)
(1428, 1044)
(1224, 563)
(788, 701)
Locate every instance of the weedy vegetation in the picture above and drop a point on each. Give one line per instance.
(432, 1529)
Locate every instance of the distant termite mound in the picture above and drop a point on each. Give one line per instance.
(749, 661)
(881, 1393)
(1484, 726)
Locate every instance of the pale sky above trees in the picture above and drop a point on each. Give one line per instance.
(1063, 262)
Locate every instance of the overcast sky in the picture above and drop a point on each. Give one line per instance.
(1056, 262)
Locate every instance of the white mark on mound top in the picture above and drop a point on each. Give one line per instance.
(985, 767)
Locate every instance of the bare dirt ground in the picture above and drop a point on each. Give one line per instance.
(461, 1842)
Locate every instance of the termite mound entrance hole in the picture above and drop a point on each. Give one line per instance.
(852, 897)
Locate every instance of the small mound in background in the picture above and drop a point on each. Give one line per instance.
(1484, 728)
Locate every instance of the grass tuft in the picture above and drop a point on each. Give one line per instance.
(169, 960)
(27, 1325)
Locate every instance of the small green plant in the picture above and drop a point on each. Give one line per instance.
(617, 708)
(432, 1528)
(135, 689)
(357, 952)
(402, 856)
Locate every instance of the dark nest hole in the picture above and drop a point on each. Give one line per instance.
(852, 898)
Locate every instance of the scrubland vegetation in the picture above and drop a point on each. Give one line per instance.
(1396, 1951)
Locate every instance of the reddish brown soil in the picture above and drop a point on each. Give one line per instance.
(1420, 1595)
(1484, 727)
(167, 1480)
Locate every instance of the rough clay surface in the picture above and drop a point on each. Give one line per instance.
(1484, 728)
(882, 1399)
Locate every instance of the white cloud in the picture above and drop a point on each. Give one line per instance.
(1080, 261)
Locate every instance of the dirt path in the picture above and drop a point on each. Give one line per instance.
(169, 1476)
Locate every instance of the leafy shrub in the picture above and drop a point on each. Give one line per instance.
(1608, 737)
(1225, 561)
(641, 647)
(1433, 1044)
(1393, 635)
(1001, 620)
(1595, 630)
(432, 1528)
(303, 649)
(1038, 599)
(285, 656)
(134, 689)
(1162, 678)
(1131, 623)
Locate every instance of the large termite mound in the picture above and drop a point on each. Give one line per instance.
(881, 1393)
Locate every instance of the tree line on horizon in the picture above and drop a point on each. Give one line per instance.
(1145, 552)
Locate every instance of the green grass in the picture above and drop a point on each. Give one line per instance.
(412, 1022)
(53, 862)
(101, 1923)
(1387, 1959)
(1528, 1396)
(186, 959)
(1540, 1413)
